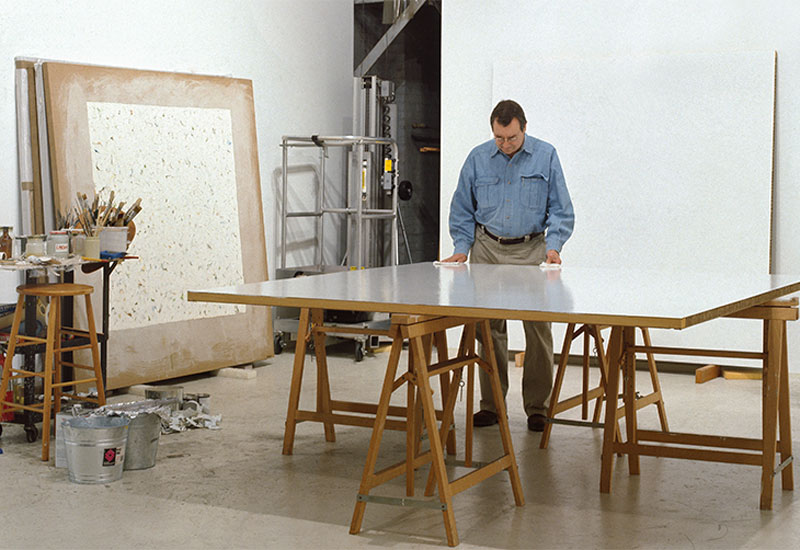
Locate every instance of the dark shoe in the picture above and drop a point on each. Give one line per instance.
(536, 422)
(484, 418)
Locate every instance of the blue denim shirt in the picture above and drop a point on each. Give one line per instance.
(512, 197)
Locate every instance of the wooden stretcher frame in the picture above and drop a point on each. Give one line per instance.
(177, 348)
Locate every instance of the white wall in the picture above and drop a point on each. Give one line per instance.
(298, 53)
(476, 34)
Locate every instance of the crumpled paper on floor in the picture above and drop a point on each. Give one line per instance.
(191, 415)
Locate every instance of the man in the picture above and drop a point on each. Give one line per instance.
(511, 206)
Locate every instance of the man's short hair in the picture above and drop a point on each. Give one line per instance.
(507, 110)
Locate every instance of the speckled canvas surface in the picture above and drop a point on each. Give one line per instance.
(180, 161)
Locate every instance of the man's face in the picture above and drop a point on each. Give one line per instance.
(509, 138)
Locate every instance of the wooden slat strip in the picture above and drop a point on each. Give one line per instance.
(661, 350)
(773, 313)
(452, 364)
(473, 478)
(677, 438)
(395, 470)
(371, 408)
(347, 420)
(431, 326)
(572, 402)
(752, 459)
(351, 330)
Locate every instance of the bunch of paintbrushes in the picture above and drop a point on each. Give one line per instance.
(93, 216)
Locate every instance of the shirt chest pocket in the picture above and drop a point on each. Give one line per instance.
(534, 191)
(487, 192)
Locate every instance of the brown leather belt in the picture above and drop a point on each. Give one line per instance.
(510, 240)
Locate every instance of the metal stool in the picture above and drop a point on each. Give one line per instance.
(54, 347)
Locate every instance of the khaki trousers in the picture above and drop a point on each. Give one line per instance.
(537, 376)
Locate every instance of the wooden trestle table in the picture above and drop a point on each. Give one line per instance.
(623, 298)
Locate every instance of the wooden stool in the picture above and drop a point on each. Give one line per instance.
(598, 393)
(54, 347)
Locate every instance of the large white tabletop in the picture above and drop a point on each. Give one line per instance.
(622, 297)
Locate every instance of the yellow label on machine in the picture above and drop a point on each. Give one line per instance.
(387, 165)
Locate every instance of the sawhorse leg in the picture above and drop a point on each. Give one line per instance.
(771, 378)
(436, 435)
(597, 393)
(297, 381)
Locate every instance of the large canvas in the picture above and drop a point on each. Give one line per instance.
(185, 144)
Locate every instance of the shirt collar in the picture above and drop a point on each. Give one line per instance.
(527, 147)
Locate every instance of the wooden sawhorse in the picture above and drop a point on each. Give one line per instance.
(598, 393)
(330, 411)
(775, 410)
(418, 380)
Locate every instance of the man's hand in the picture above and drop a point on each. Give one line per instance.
(553, 257)
(460, 258)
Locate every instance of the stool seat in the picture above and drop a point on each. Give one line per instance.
(55, 289)
(59, 340)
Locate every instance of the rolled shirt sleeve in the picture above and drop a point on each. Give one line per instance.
(462, 210)
(560, 214)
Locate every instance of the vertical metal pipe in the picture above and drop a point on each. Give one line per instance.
(359, 240)
(48, 197)
(24, 151)
(284, 185)
(320, 205)
(357, 109)
(373, 115)
(395, 206)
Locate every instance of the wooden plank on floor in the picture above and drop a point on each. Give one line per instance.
(704, 374)
(741, 374)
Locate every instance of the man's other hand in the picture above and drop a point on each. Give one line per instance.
(460, 258)
(553, 257)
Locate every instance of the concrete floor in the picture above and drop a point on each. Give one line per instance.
(232, 488)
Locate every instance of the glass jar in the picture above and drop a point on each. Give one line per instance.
(58, 244)
(6, 243)
(35, 246)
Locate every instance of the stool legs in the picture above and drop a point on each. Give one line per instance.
(12, 346)
(98, 372)
(53, 324)
(53, 361)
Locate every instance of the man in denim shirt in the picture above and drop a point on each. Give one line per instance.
(511, 206)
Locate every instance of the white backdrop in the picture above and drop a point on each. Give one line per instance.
(668, 160)
(478, 35)
(300, 87)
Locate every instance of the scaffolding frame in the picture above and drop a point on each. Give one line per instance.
(361, 186)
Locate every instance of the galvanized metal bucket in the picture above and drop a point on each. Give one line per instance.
(95, 448)
(143, 434)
